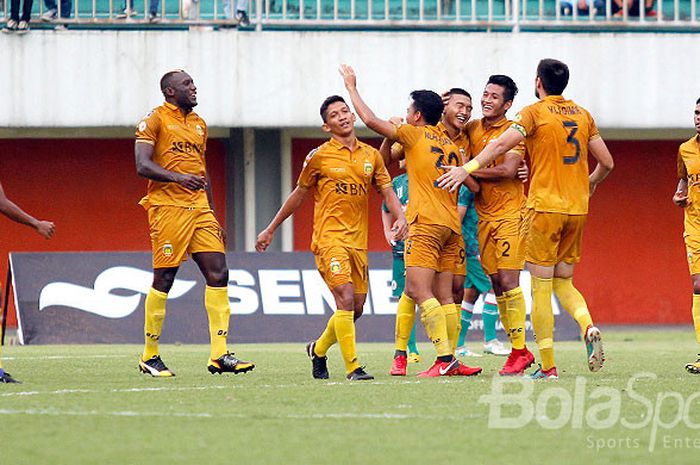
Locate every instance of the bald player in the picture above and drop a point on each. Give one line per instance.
(170, 145)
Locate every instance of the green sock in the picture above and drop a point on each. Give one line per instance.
(412, 349)
(490, 318)
(466, 316)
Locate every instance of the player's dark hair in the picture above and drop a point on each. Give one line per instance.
(458, 91)
(697, 102)
(510, 90)
(554, 76)
(429, 104)
(327, 103)
(167, 78)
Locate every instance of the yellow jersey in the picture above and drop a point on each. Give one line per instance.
(427, 149)
(342, 179)
(557, 133)
(689, 169)
(500, 199)
(178, 144)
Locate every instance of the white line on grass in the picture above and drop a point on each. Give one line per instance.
(95, 391)
(63, 357)
(255, 416)
(189, 388)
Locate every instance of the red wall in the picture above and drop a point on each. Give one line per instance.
(88, 187)
(633, 268)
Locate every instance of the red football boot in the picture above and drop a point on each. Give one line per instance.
(464, 370)
(439, 369)
(398, 367)
(518, 361)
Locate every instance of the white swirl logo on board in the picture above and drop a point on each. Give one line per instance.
(99, 300)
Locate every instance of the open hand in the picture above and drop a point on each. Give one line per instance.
(348, 75)
(453, 178)
(191, 181)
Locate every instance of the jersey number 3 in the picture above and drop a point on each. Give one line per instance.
(572, 127)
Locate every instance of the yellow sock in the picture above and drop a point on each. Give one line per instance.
(515, 309)
(543, 320)
(155, 315)
(452, 324)
(345, 333)
(696, 316)
(433, 318)
(573, 302)
(219, 311)
(458, 309)
(327, 338)
(503, 314)
(405, 318)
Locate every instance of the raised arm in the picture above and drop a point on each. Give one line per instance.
(605, 164)
(146, 167)
(455, 175)
(16, 214)
(378, 125)
(293, 202)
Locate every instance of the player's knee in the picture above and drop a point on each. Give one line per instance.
(217, 278)
(163, 279)
(345, 297)
(696, 284)
(458, 294)
(507, 282)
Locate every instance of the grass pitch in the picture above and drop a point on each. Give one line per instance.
(89, 405)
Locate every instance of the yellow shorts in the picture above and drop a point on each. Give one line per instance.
(179, 231)
(551, 238)
(501, 245)
(692, 248)
(340, 265)
(435, 247)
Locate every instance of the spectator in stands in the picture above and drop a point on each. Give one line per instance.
(618, 7)
(583, 7)
(241, 11)
(128, 11)
(52, 9)
(17, 23)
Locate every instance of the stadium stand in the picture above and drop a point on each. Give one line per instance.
(549, 14)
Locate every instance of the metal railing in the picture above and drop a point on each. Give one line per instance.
(509, 15)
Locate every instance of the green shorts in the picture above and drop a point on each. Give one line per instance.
(476, 277)
(398, 276)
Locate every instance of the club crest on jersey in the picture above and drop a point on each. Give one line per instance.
(142, 126)
(199, 129)
(167, 249)
(368, 168)
(335, 266)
